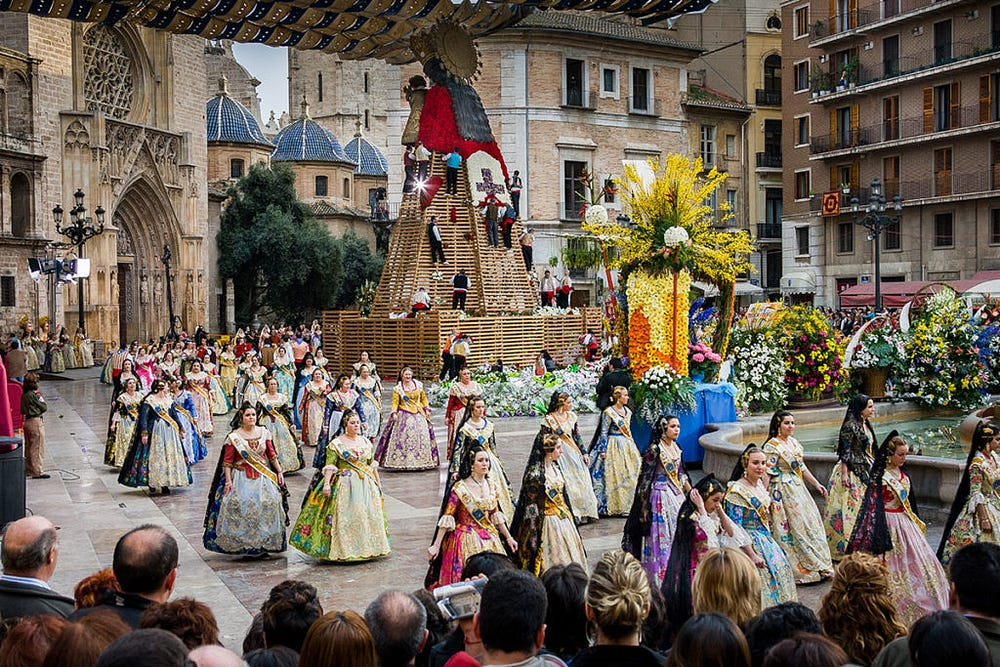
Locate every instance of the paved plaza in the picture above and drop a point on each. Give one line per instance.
(83, 498)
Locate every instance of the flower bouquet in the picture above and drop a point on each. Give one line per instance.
(758, 367)
(814, 353)
(661, 390)
(703, 363)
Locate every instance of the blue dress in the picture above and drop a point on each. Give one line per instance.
(614, 464)
(160, 462)
(187, 415)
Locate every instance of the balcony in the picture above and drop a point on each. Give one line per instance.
(769, 160)
(768, 231)
(886, 12)
(384, 213)
(768, 98)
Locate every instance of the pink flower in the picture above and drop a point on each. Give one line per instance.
(803, 337)
(698, 357)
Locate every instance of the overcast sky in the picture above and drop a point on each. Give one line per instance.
(270, 65)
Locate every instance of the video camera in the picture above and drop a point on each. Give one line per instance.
(461, 599)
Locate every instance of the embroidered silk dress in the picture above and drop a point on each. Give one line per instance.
(274, 413)
(483, 434)
(124, 417)
(256, 385)
(144, 370)
(350, 525)
(614, 463)
(471, 522)
(220, 400)
(984, 489)
(458, 397)
(916, 578)
(200, 385)
(854, 448)
(251, 518)
(750, 508)
(187, 417)
(576, 474)
(312, 406)
(407, 442)
(797, 523)
(160, 462)
(227, 372)
(284, 372)
(84, 352)
(369, 405)
(561, 542)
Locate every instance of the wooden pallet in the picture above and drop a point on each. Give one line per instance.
(500, 283)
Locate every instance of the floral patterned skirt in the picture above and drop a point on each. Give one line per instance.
(966, 529)
(408, 444)
(916, 578)
(615, 476)
(160, 462)
(118, 442)
(666, 503)
(579, 489)
(777, 580)
(251, 519)
(798, 528)
(287, 448)
(561, 543)
(841, 512)
(466, 540)
(220, 401)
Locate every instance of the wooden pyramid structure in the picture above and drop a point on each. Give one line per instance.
(500, 283)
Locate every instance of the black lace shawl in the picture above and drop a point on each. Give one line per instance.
(852, 447)
(871, 531)
(640, 516)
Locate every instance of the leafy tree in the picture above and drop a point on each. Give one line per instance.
(360, 266)
(282, 261)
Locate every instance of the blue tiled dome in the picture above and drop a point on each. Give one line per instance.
(228, 120)
(367, 156)
(305, 139)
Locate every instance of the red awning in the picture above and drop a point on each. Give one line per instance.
(894, 295)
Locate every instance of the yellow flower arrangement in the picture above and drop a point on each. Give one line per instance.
(658, 331)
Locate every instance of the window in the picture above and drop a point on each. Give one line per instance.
(845, 238)
(944, 230)
(942, 172)
(995, 226)
(890, 8)
(236, 166)
(573, 199)
(8, 295)
(800, 74)
(731, 146)
(708, 145)
(367, 124)
(366, 82)
(772, 73)
(574, 84)
(347, 188)
(641, 89)
(712, 201)
(772, 206)
(890, 118)
(802, 241)
(989, 97)
(802, 131)
(319, 86)
(942, 41)
(803, 185)
(890, 177)
(995, 165)
(731, 200)
(892, 237)
(773, 22)
(609, 81)
(890, 55)
(321, 186)
(943, 104)
(801, 21)
(842, 124)
(772, 137)
(995, 25)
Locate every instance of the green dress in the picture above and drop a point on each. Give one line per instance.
(350, 525)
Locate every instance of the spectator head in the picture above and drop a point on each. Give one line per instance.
(338, 639)
(511, 616)
(617, 597)
(486, 563)
(149, 647)
(975, 579)
(80, 644)
(279, 656)
(30, 640)
(214, 656)
(254, 638)
(727, 582)
(145, 562)
(804, 648)
(192, 621)
(398, 623)
(30, 382)
(566, 617)
(946, 638)
(858, 612)
(776, 624)
(30, 548)
(437, 625)
(291, 607)
(709, 640)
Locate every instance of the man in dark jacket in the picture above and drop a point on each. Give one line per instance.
(615, 375)
(29, 555)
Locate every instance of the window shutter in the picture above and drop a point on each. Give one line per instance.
(853, 17)
(855, 175)
(833, 128)
(928, 110)
(984, 99)
(834, 185)
(855, 124)
(956, 105)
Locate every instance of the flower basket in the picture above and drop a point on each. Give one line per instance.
(873, 381)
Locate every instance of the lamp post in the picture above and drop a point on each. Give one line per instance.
(165, 258)
(875, 221)
(80, 230)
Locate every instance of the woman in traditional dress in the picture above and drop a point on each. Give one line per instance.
(458, 397)
(227, 369)
(662, 487)
(283, 369)
(804, 541)
(407, 442)
(124, 417)
(305, 376)
(247, 507)
(156, 456)
(369, 403)
(84, 350)
(887, 526)
(365, 360)
(975, 512)
(614, 459)
(343, 516)
(312, 407)
(242, 379)
(849, 478)
(322, 362)
(220, 400)
(470, 521)
(748, 504)
(55, 361)
(342, 398)
(118, 381)
(543, 525)
(169, 366)
(187, 416)
(200, 385)
(574, 463)
(255, 387)
(274, 413)
(476, 430)
(145, 368)
(31, 361)
(67, 349)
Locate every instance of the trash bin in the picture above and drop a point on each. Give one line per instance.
(12, 491)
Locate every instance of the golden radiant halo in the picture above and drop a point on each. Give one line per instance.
(453, 45)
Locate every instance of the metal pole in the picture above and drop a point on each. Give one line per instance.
(79, 281)
(878, 265)
(170, 298)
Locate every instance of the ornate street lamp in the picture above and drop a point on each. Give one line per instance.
(80, 230)
(165, 259)
(875, 221)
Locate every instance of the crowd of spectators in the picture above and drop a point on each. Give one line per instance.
(610, 617)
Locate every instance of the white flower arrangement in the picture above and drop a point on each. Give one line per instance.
(554, 310)
(519, 392)
(674, 236)
(758, 370)
(596, 215)
(437, 275)
(661, 390)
